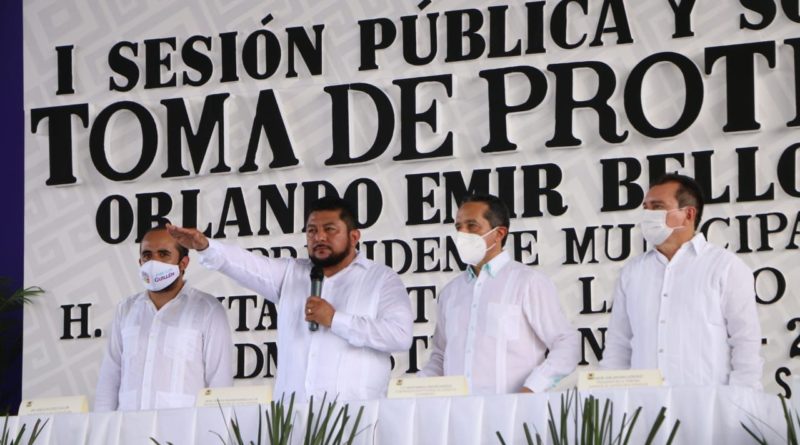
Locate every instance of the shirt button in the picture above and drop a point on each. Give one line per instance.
(663, 321)
(665, 295)
(661, 351)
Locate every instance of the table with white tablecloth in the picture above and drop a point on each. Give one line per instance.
(708, 415)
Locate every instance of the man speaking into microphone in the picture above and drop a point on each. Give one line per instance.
(337, 341)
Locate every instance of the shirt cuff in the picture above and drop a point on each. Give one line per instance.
(538, 383)
(211, 257)
(341, 325)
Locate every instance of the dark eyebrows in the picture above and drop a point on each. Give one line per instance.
(322, 226)
(159, 251)
(465, 222)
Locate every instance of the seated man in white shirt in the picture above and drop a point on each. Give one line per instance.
(497, 319)
(685, 307)
(363, 313)
(166, 343)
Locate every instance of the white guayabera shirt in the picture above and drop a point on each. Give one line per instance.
(161, 358)
(693, 317)
(495, 328)
(350, 359)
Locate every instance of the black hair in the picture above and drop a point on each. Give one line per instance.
(182, 251)
(689, 193)
(346, 212)
(496, 212)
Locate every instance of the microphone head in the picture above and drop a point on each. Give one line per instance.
(316, 273)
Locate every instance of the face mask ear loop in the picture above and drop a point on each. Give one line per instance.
(484, 236)
(674, 210)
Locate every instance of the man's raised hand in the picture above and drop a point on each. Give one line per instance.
(187, 237)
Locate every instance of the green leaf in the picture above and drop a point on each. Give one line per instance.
(18, 297)
(355, 425)
(631, 424)
(218, 435)
(19, 435)
(37, 430)
(654, 430)
(259, 427)
(673, 432)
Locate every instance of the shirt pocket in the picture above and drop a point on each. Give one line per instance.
(708, 301)
(503, 320)
(183, 344)
(130, 342)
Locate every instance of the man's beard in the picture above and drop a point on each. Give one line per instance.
(333, 259)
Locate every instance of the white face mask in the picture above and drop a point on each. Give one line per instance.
(654, 226)
(157, 275)
(471, 247)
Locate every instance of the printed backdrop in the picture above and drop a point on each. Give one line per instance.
(232, 116)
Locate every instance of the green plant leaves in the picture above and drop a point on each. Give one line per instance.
(5, 436)
(792, 419)
(328, 424)
(592, 425)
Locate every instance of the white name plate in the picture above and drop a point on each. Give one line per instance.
(54, 405)
(428, 387)
(628, 378)
(234, 395)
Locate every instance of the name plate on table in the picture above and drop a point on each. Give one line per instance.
(234, 395)
(627, 378)
(428, 387)
(54, 405)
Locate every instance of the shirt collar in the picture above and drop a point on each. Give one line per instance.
(183, 293)
(493, 267)
(361, 259)
(696, 244)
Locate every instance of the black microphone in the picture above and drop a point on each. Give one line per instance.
(316, 291)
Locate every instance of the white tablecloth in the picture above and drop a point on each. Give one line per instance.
(707, 415)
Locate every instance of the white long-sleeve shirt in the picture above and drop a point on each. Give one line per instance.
(495, 328)
(161, 358)
(350, 359)
(693, 317)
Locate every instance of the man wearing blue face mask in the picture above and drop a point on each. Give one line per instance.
(685, 307)
(497, 319)
(167, 342)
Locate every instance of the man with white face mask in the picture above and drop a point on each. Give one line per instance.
(496, 320)
(167, 342)
(685, 307)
